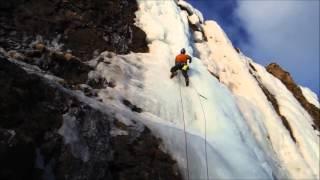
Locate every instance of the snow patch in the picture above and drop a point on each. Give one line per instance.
(298, 118)
(69, 131)
(190, 8)
(310, 96)
(198, 36)
(233, 70)
(118, 132)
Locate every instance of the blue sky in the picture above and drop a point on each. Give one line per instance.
(281, 31)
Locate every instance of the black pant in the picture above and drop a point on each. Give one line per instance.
(177, 67)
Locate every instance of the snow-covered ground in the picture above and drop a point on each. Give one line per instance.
(215, 129)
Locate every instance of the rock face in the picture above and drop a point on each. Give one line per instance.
(287, 80)
(82, 26)
(273, 101)
(48, 133)
(32, 112)
(59, 63)
(130, 149)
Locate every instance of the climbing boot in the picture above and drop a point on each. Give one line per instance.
(172, 75)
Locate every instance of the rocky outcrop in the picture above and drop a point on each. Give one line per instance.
(288, 81)
(46, 132)
(130, 149)
(84, 26)
(273, 101)
(62, 64)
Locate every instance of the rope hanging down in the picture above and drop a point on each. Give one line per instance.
(184, 129)
(205, 131)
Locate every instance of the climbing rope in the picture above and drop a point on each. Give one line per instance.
(205, 130)
(184, 129)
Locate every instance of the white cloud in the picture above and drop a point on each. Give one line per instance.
(286, 32)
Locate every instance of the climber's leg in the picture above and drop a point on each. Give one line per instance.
(186, 77)
(174, 70)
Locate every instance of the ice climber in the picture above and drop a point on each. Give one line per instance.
(181, 63)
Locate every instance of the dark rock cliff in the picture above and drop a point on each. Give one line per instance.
(82, 26)
(46, 131)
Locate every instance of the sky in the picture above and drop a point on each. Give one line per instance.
(281, 31)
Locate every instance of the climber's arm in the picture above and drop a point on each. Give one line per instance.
(190, 59)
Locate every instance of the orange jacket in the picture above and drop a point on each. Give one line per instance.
(182, 58)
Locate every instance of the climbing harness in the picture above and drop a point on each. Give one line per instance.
(185, 67)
